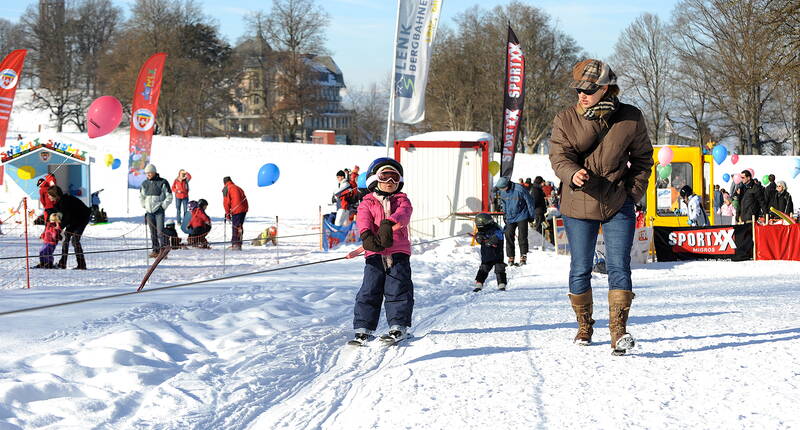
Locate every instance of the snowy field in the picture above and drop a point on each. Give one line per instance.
(718, 341)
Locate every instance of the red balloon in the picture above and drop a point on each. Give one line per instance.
(735, 158)
(103, 116)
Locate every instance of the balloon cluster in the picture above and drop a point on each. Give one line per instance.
(664, 168)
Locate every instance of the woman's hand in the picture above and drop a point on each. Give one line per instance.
(580, 177)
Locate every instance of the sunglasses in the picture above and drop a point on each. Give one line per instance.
(389, 176)
(587, 92)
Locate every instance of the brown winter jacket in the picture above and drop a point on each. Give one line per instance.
(611, 181)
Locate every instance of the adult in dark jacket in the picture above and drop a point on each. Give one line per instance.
(540, 204)
(518, 210)
(769, 193)
(751, 198)
(234, 201)
(783, 200)
(155, 195)
(74, 218)
(601, 151)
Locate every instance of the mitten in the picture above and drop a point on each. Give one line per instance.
(386, 234)
(370, 242)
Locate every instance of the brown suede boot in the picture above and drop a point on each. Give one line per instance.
(619, 305)
(582, 305)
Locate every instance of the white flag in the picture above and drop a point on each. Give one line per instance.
(416, 28)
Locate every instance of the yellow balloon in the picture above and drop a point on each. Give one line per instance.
(109, 160)
(494, 167)
(26, 172)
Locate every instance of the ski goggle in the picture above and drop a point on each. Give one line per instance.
(389, 176)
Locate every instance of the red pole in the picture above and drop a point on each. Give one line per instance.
(27, 255)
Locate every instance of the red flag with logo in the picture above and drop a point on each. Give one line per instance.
(10, 72)
(143, 117)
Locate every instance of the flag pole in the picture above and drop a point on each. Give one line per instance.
(390, 115)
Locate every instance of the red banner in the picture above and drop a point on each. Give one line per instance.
(10, 72)
(513, 101)
(778, 242)
(143, 117)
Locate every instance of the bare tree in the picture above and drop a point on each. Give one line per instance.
(738, 57)
(11, 36)
(96, 23)
(370, 107)
(475, 54)
(287, 39)
(644, 61)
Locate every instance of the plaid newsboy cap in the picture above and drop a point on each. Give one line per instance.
(590, 74)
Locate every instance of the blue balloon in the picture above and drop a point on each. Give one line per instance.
(720, 153)
(115, 164)
(268, 175)
(362, 180)
(726, 177)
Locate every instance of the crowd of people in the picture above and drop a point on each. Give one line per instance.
(66, 216)
(750, 199)
(347, 196)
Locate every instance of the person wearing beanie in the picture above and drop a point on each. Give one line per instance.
(155, 195)
(600, 149)
(382, 224)
(518, 210)
(74, 218)
(234, 202)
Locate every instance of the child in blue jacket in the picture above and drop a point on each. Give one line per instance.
(490, 236)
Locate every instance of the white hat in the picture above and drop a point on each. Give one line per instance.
(150, 169)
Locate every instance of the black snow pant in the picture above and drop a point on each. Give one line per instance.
(72, 234)
(522, 226)
(499, 272)
(392, 287)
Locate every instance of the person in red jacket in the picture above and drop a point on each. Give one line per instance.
(200, 225)
(180, 186)
(50, 237)
(235, 204)
(47, 203)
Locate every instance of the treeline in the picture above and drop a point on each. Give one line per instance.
(719, 69)
(84, 48)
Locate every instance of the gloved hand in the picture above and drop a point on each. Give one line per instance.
(386, 234)
(333, 198)
(370, 242)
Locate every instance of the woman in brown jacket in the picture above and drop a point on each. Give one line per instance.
(599, 148)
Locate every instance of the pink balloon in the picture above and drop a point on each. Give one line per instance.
(665, 155)
(737, 177)
(103, 116)
(735, 158)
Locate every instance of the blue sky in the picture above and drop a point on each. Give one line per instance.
(360, 32)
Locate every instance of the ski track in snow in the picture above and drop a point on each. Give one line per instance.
(717, 346)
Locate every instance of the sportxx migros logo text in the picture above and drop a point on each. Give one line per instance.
(8, 79)
(143, 119)
(711, 241)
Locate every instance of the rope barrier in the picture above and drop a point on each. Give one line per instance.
(204, 281)
(108, 251)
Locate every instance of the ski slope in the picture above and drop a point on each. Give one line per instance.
(717, 345)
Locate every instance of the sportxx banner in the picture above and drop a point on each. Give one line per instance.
(143, 117)
(732, 242)
(10, 71)
(513, 101)
(416, 27)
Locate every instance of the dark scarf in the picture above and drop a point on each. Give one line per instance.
(602, 110)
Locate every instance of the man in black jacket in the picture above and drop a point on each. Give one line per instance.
(74, 217)
(751, 199)
(770, 191)
(541, 205)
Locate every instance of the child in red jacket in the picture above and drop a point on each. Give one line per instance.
(50, 237)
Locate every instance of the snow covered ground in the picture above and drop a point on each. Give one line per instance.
(718, 341)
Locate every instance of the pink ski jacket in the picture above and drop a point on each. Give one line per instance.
(371, 213)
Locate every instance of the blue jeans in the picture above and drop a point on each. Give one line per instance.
(155, 221)
(178, 203)
(618, 234)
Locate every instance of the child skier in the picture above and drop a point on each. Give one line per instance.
(387, 275)
(490, 236)
(50, 237)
